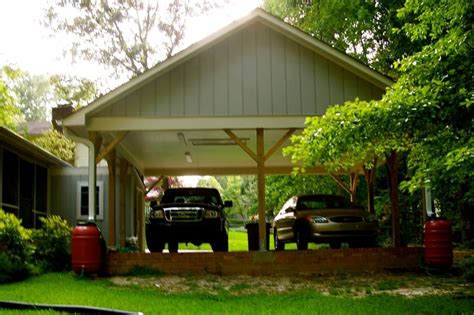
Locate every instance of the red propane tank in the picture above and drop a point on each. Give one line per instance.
(438, 246)
(86, 250)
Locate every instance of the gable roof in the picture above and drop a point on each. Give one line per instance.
(78, 118)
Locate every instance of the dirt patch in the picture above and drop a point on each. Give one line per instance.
(402, 284)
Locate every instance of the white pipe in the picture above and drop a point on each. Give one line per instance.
(429, 209)
(92, 172)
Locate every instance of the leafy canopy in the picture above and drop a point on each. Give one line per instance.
(427, 113)
(124, 35)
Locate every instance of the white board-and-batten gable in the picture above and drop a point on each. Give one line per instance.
(257, 66)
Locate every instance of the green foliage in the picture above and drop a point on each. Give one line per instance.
(130, 36)
(209, 182)
(58, 145)
(468, 267)
(361, 29)
(53, 243)
(31, 93)
(15, 249)
(77, 92)
(427, 113)
(10, 115)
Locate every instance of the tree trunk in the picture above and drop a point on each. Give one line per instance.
(369, 175)
(392, 165)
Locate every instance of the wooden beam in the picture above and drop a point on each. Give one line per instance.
(261, 190)
(241, 144)
(122, 192)
(280, 142)
(120, 136)
(153, 185)
(96, 140)
(111, 158)
(340, 183)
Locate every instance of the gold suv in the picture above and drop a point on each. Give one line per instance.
(323, 219)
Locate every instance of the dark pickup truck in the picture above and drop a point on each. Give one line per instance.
(188, 215)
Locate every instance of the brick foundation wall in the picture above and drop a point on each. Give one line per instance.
(268, 263)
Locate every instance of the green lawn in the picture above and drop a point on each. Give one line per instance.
(238, 242)
(65, 288)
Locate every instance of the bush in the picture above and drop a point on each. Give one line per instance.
(467, 266)
(53, 244)
(15, 249)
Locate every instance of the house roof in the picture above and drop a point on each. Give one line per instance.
(22, 145)
(256, 73)
(257, 15)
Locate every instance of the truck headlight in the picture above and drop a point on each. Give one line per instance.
(211, 214)
(320, 219)
(157, 214)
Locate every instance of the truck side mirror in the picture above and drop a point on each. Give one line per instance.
(228, 204)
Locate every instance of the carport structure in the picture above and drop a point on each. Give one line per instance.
(224, 106)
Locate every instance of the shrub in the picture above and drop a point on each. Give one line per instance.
(467, 265)
(15, 249)
(53, 244)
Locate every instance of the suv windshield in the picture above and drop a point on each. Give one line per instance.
(209, 196)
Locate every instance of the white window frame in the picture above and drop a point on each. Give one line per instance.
(81, 184)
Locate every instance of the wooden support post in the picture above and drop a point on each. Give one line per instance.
(112, 177)
(261, 190)
(260, 158)
(122, 190)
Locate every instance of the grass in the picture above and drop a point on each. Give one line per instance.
(238, 242)
(65, 288)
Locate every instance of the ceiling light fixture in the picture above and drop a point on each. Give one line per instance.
(216, 141)
(188, 157)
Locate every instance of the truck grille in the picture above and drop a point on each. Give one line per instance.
(188, 214)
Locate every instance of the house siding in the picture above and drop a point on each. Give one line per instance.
(256, 71)
(64, 199)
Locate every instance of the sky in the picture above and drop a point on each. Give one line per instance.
(25, 43)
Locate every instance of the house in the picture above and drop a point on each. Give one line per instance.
(25, 177)
(226, 105)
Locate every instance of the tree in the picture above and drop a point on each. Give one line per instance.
(362, 28)
(128, 36)
(10, 115)
(72, 90)
(427, 113)
(31, 93)
(58, 145)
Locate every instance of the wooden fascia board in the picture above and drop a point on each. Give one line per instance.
(252, 170)
(195, 123)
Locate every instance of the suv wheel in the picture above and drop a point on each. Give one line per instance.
(173, 247)
(279, 245)
(155, 246)
(221, 245)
